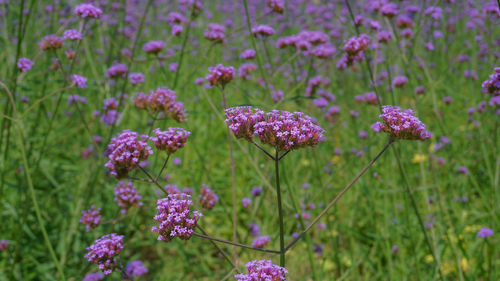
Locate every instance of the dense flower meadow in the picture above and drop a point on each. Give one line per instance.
(262, 140)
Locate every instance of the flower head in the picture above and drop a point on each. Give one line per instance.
(401, 124)
(4, 245)
(136, 78)
(485, 232)
(170, 140)
(125, 152)
(261, 241)
(262, 30)
(277, 6)
(117, 71)
(104, 250)
(24, 64)
(153, 47)
(79, 81)
(51, 42)
(126, 196)
(88, 11)
(220, 75)
(135, 268)
(215, 33)
(91, 218)
(242, 119)
(72, 34)
(208, 198)
(492, 85)
(175, 217)
(262, 270)
(94, 276)
(161, 100)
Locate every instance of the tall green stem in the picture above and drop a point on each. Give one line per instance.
(280, 209)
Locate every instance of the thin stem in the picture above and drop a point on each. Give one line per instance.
(153, 180)
(280, 210)
(186, 35)
(163, 168)
(263, 150)
(283, 155)
(346, 188)
(226, 256)
(234, 243)
(233, 178)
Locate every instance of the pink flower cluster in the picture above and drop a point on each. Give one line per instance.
(24, 64)
(261, 241)
(215, 32)
(369, 98)
(4, 245)
(153, 47)
(277, 6)
(161, 100)
(79, 81)
(104, 250)
(170, 140)
(72, 34)
(126, 196)
(263, 270)
(245, 70)
(314, 83)
(135, 268)
(51, 42)
(354, 50)
(91, 218)
(401, 124)
(117, 71)
(175, 218)
(303, 41)
(248, 54)
(492, 85)
(262, 30)
(208, 198)
(323, 51)
(125, 152)
(88, 11)
(281, 129)
(220, 75)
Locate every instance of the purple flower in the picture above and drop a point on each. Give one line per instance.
(492, 85)
(323, 51)
(242, 119)
(95, 276)
(72, 34)
(104, 250)
(125, 152)
(176, 161)
(401, 124)
(399, 81)
(208, 198)
(215, 33)
(261, 241)
(175, 218)
(463, 170)
(88, 11)
(126, 196)
(161, 100)
(246, 202)
(248, 54)
(220, 75)
(24, 64)
(4, 245)
(51, 42)
(254, 229)
(256, 191)
(277, 6)
(91, 218)
(395, 249)
(79, 81)
(136, 78)
(245, 70)
(117, 71)
(135, 268)
(262, 270)
(262, 30)
(485, 232)
(170, 140)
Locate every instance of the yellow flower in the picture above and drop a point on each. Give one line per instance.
(419, 158)
(335, 159)
(447, 267)
(305, 162)
(429, 259)
(464, 264)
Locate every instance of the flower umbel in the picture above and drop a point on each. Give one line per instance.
(104, 250)
(401, 124)
(262, 270)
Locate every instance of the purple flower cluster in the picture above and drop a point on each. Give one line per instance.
(24, 64)
(485, 232)
(314, 83)
(261, 241)
(88, 11)
(208, 198)
(492, 85)
(262, 30)
(126, 196)
(260, 270)
(136, 78)
(170, 140)
(135, 268)
(91, 218)
(248, 54)
(302, 41)
(281, 129)
(4, 245)
(125, 152)
(153, 47)
(215, 32)
(104, 250)
(245, 69)
(399, 81)
(401, 124)
(161, 100)
(117, 71)
(354, 50)
(175, 218)
(72, 34)
(94, 276)
(220, 75)
(277, 6)
(79, 81)
(51, 42)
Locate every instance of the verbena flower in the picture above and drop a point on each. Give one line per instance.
(24, 64)
(72, 34)
(4, 245)
(262, 30)
(153, 47)
(136, 78)
(51, 42)
(261, 241)
(220, 75)
(135, 268)
(485, 232)
(246, 69)
(399, 81)
(208, 198)
(242, 119)
(117, 71)
(161, 100)
(246, 202)
(126, 196)
(170, 140)
(104, 250)
(354, 49)
(175, 217)
(277, 6)
(492, 85)
(215, 32)
(125, 152)
(79, 81)
(91, 218)
(95, 276)
(248, 54)
(401, 124)
(263, 270)
(88, 11)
